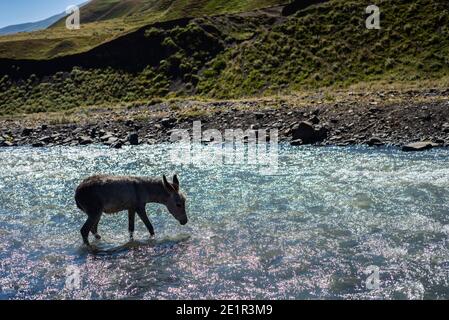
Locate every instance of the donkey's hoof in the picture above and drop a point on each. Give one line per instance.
(97, 236)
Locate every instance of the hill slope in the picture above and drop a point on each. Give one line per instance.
(105, 20)
(134, 10)
(238, 55)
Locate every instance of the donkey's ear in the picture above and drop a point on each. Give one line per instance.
(168, 186)
(176, 183)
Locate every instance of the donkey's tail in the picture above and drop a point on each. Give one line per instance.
(77, 201)
(78, 205)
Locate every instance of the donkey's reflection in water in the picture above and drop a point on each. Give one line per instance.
(110, 194)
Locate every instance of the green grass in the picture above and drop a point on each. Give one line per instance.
(329, 45)
(234, 57)
(105, 20)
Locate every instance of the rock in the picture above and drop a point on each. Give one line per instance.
(7, 144)
(303, 130)
(306, 132)
(445, 127)
(67, 141)
(37, 145)
(322, 133)
(85, 140)
(93, 132)
(77, 131)
(133, 139)
(168, 122)
(110, 141)
(349, 142)
(314, 120)
(374, 141)
(117, 145)
(419, 146)
(259, 115)
(45, 140)
(336, 138)
(107, 136)
(297, 142)
(26, 132)
(44, 127)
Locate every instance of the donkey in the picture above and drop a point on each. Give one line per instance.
(111, 194)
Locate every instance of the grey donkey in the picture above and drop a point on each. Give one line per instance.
(111, 194)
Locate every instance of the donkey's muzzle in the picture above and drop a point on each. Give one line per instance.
(183, 221)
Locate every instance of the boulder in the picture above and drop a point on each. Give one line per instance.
(107, 136)
(110, 141)
(445, 127)
(133, 139)
(6, 143)
(419, 146)
(303, 131)
(314, 120)
(37, 144)
(45, 140)
(67, 141)
(168, 122)
(259, 115)
(26, 132)
(117, 145)
(85, 140)
(297, 142)
(93, 132)
(308, 134)
(374, 141)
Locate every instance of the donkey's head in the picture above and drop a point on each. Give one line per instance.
(176, 203)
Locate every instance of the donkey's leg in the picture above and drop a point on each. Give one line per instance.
(95, 229)
(143, 216)
(131, 219)
(91, 220)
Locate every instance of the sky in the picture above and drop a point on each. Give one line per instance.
(21, 11)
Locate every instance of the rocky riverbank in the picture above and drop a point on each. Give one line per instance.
(349, 118)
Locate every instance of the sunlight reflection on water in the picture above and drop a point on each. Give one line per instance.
(307, 232)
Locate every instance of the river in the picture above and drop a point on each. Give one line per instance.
(328, 223)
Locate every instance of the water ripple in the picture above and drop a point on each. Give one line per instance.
(308, 232)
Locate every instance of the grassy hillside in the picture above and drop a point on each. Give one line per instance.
(104, 20)
(234, 56)
(329, 44)
(136, 10)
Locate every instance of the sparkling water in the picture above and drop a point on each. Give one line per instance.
(317, 228)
